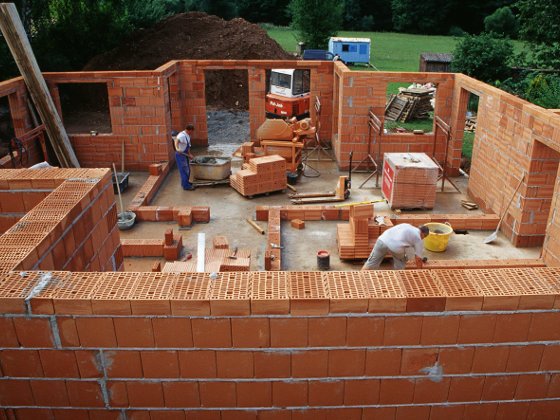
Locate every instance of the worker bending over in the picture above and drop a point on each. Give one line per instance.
(183, 154)
(394, 241)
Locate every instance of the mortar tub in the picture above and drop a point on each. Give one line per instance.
(214, 168)
(439, 236)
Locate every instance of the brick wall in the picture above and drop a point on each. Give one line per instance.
(515, 142)
(421, 345)
(69, 222)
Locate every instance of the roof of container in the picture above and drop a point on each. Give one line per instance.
(341, 39)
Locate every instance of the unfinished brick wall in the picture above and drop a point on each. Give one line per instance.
(69, 222)
(360, 91)
(514, 140)
(421, 345)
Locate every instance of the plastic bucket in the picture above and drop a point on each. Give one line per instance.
(439, 236)
(323, 260)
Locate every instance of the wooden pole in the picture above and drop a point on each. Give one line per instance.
(16, 38)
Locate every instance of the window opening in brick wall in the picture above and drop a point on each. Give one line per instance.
(469, 132)
(85, 107)
(6, 125)
(227, 109)
(410, 107)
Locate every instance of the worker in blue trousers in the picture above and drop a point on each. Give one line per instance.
(183, 154)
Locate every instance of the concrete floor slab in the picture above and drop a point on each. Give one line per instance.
(228, 210)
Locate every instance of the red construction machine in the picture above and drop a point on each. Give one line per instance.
(288, 94)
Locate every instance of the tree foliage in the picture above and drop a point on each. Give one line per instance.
(540, 27)
(502, 23)
(316, 21)
(483, 57)
(429, 16)
(264, 11)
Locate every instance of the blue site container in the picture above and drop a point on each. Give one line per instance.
(351, 50)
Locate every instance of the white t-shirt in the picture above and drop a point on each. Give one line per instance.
(183, 140)
(402, 236)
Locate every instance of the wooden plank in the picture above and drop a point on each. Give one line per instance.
(201, 252)
(16, 38)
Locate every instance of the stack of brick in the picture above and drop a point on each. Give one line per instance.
(173, 245)
(409, 180)
(357, 238)
(260, 175)
(273, 254)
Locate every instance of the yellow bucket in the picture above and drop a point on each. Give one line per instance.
(438, 237)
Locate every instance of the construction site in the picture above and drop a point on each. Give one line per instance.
(127, 297)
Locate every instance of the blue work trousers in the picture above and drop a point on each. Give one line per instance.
(184, 169)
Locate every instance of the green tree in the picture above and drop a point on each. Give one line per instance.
(540, 27)
(378, 13)
(483, 57)
(264, 11)
(143, 14)
(226, 9)
(316, 20)
(502, 22)
(427, 17)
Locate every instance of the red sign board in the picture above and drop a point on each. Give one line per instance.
(387, 181)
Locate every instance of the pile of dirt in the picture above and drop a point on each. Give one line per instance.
(196, 35)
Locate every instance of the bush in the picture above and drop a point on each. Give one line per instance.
(535, 87)
(502, 23)
(316, 21)
(483, 57)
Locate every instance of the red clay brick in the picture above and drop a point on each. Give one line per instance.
(21, 363)
(310, 364)
(84, 394)
(326, 393)
(550, 358)
(15, 392)
(327, 332)
(134, 332)
(272, 364)
(465, 388)
(532, 386)
(396, 391)
(456, 360)
(172, 332)
(8, 336)
(160, 364)
(197, 363)
(181, 394)
(446, 412)
(96, 332)
(288, 332)
(361, 392)
(33, 332)
(439, 330)
(211, 332)
(217, 394)
(234, 364)
(89, 364)
(118, 395)
(250, 332)
(476, 329)
(59, 363)
(499, 387)
(420, 412)
(414, 360)
(512, 327)
(49, 393)
(383, 362)
(540, 327)
(365, 331)
(524, 358)
(254, 394)
(346, 362)
(490, 359)
(289, 394)
(512, 410)
(402, 330)
(145, 394)
(123, 364)
(543, 410)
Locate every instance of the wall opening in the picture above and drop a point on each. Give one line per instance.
(6, 125)
(410, 107)
(469, 132)
(85, 107)
(227, 109)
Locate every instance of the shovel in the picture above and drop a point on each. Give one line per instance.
(493, 236)
(233, 256)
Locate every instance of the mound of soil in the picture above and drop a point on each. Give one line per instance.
(196, 35)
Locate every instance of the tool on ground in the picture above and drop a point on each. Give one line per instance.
(469, 205)
(257, 227)
(341, 194)
(118, 189)
(494, 235)
(291, 187)
(383, 200)
(276, 246)
(232, 256)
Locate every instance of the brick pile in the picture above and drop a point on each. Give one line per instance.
(409, 180)
(357, 238)
(260, 175)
